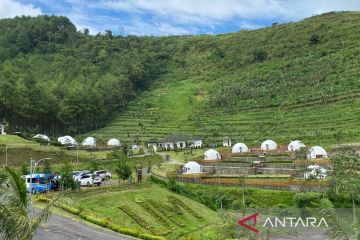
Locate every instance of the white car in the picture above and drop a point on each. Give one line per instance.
(78, 174)
(89, 180)
(104, 175)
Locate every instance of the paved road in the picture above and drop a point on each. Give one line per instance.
(61, 228)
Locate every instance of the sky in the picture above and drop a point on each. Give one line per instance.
(175, 17)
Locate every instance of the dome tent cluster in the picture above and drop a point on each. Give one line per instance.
(88, 142)
(270, 145)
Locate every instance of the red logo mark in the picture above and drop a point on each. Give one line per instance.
(242, 223)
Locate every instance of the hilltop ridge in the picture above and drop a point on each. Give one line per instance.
(289, 81)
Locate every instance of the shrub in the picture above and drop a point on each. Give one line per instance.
(309, 199)
(139, 220)
(153, 213)
(150, 237)
(72, 210)
(177, 202)
(314, 39)
(259, 55)
(42, 198)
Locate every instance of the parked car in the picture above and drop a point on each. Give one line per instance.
(78, 174)
(89, 180)
(104, 175)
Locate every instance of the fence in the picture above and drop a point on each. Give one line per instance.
(267, 183)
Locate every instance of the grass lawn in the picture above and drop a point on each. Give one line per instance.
(20, 150)
(165, 168)
(106, 205)
(185, 156)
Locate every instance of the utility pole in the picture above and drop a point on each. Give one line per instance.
(32, 172)
(6, 156)
(77, 153)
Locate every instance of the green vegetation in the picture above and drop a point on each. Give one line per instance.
(301, 84)
(18, 222)
(289, 81)
(164, 213)
(21, 150)
(216, 197)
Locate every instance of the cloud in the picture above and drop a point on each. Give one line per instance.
(212, 11)
(156, 28)
(12, 8)
(174, 17)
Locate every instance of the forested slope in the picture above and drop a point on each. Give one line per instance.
(296, 80)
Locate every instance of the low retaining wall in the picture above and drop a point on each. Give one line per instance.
(225, 170)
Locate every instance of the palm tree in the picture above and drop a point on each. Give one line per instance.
(17, 220)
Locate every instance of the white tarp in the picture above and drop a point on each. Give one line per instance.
(316, 171)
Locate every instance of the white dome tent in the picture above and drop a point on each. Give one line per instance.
(268, 145)
(240, 148)
(212, 154)
(67, 140)
(114, 142)
(295, 145)
(317, 152)
(89, 142)
(42, 137)
(192, 167)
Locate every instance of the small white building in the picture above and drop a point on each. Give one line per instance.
(227, 142)
(317, 152)
(212, 154)
(196, 142)
(240, 148)
(42, 137)
(113, 142)
(180, 141)
(268, 145)
(152, 143)
(89, 142)
(192, 167)
(67, 140)
(295, 145)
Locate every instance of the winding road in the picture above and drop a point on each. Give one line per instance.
(61, 228)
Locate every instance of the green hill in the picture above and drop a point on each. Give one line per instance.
(289, 81)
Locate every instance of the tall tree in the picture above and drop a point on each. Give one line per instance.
(123, 169)
(346, 177)
(67, 181)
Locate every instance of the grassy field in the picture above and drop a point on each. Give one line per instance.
(106, 205)
(216, 87)
(21, 150)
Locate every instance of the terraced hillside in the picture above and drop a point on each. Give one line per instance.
(291, 81)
